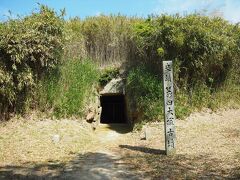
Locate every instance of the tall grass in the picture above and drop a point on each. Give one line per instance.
(145, 95)
(68, 90)
(106, 39)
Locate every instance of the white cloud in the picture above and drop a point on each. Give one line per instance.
(98, 13)
(229, 9)
(178, 6)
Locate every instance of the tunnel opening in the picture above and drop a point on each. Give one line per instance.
(113, 109)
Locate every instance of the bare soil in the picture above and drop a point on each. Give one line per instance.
(208, 147)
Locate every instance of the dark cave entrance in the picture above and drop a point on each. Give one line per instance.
(113, 109)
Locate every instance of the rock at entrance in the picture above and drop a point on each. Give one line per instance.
(114, 86)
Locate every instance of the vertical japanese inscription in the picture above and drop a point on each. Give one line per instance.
(169, 121)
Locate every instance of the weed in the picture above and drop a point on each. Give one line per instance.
(68, 92)
(107, 75)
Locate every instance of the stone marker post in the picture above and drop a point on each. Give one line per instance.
(169, 113)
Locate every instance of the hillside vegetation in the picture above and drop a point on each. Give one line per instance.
(29, 48)
(47, 62)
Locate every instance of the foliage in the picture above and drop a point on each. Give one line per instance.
(29, 47)
(146, 93)
(74, 47)
(68, 90)
(205, 52)
(105, 39)
(204, 48)
(107, 75)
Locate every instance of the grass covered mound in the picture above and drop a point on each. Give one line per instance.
(43, 61)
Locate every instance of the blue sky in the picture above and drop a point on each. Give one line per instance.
(229, 9)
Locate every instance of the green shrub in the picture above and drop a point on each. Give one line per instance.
(74, 47)
(68, 90)
(29, 48)
(145, 90)
(145, 94)
(107, 75)
(205, 48)
(206, 63)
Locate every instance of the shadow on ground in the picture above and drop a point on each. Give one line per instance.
(159, 166)
(119, 128)
(103, 166)
(89, 166)
(144, 149)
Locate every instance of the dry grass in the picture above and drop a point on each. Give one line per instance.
(208, 146)
(30, 141)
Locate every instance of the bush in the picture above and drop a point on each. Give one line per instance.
(145, 95)
(107, 75)
(105, 39)
(145, 92)
(205, 52)
(74, 47)
(29, 48)
(68, 90)
(204, 48)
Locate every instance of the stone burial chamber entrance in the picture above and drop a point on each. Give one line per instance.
(113, 109)
(112, 100)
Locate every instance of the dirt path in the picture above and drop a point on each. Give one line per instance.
(103, 163)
